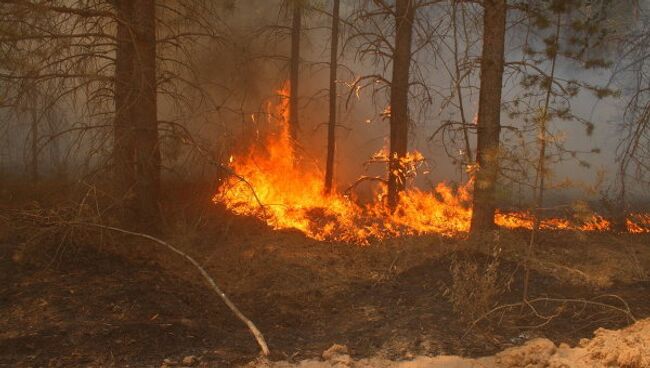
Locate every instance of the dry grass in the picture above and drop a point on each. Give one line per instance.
(476, 284)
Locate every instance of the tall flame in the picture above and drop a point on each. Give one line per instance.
(288, 196)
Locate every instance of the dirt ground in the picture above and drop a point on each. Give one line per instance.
(629, 347)
(120, 302)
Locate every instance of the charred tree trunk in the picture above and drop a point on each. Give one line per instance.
(147, 149)
(294, 70)
(399, 117)
(123, 126)
(489, 116)
(331, 125)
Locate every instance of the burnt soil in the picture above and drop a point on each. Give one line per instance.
(87, 305)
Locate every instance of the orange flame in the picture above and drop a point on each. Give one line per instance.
(288, 196)
(638, 223)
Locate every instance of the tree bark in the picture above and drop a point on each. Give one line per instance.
(458, 84)
(123, 126)
(147, 149)
(540, 173)
(331, 126)
(399, 117)
(489, 116)
(34, 136)
(294, 70)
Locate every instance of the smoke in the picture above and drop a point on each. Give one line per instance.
(254, 66)
(234, 74)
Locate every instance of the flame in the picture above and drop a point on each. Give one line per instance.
(638, 223)
(524, 220)
(287, 195)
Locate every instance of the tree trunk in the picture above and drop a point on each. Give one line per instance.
(294, 71)
(147, 149)
(123, 127)
(34, 136)
(331, 126)
(540, 173)
(399, 117)
(458, 76)
(489, 116)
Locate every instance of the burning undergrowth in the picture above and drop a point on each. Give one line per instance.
(274, 187)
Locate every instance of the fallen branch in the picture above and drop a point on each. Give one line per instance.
(53, 219)
(364, 179)
(251, 326)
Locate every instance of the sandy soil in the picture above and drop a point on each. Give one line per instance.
(629, 348)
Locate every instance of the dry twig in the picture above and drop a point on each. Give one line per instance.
(251, 326)
(625, 310)
(50, 219)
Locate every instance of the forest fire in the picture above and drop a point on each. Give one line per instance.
(288, 197)
(324, 183)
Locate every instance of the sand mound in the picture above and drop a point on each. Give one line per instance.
(629, 348)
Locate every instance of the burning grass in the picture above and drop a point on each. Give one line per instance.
(287, 195)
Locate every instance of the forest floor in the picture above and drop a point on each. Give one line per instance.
(124, 302)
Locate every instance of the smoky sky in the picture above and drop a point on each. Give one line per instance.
(243, 72)
(364, 131)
